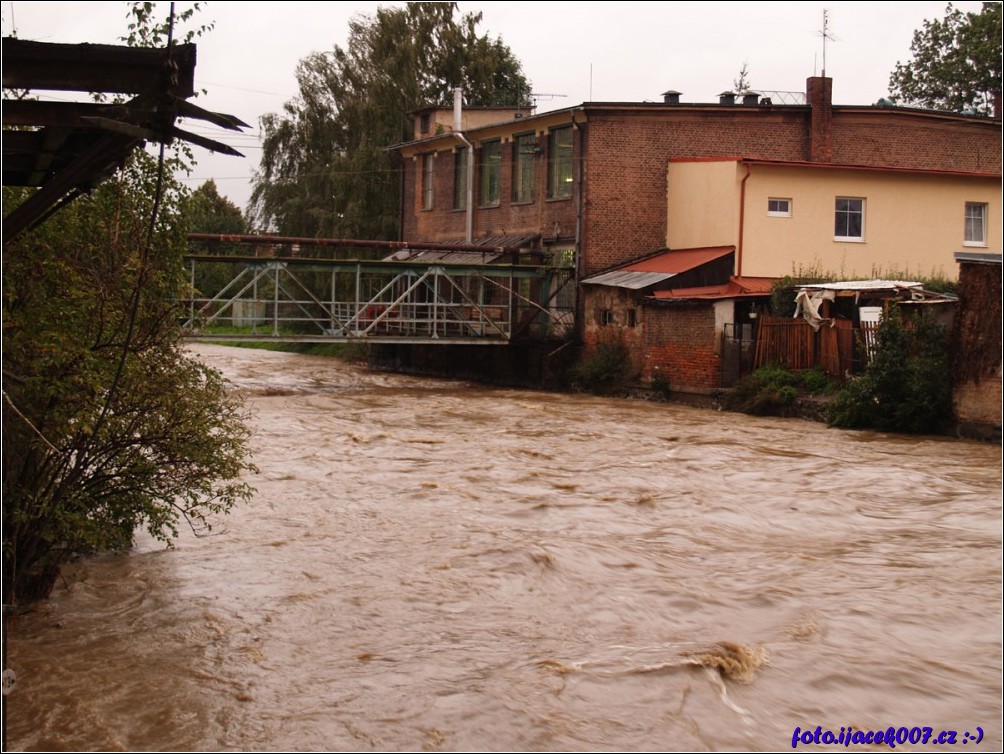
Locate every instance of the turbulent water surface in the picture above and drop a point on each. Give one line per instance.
(433, 565)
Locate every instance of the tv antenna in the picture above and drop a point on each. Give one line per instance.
(825, 34)
(537, 96)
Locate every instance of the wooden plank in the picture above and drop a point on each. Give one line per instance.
(98, 68)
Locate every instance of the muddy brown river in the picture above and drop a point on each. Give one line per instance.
(435, 565)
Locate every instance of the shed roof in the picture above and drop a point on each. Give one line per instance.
(658, 267)
(737, 287)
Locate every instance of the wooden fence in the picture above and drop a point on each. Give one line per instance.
(793, 344)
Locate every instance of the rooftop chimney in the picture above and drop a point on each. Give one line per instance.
(672, 97)
(727, 98)
(750, 98)
(819, 96)
(458, 108)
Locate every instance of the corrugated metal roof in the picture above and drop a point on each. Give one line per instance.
(980, 257)
(737, 287)
(512, 243)
(629, 279)
(862, 285)
(456, 257)
(675, 261)
(659, 267)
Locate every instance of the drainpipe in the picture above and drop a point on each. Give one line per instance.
(458, 104)
(579, 318)
(742, 218)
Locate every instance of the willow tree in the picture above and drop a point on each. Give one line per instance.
(956, 63)
(325, 168)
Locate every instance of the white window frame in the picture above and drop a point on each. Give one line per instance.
(837, 211)
(490, 180)
(428, 180)
(969, 237)
(779, 212)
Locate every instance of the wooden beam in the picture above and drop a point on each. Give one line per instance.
(98, 68)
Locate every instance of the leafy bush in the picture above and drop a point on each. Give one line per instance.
(603, 367)
(816, 380)
(112, 425)
(769, 391)
(660, 385)
(906, 386)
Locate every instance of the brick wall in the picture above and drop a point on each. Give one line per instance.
(679, 346)
(619, 302)
(443, 223)
(929, 143)
(626, 157)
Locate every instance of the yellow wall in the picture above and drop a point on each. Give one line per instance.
(703, 204)
(913, 223)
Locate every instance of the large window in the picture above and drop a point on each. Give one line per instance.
(976, 224)
(524, 150)
(491, 173)
(559, 163)
(428, 177)
(849, 219)
(460, 178)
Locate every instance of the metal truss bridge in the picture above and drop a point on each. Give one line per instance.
(286, 299)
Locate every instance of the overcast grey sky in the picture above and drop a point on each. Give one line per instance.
(599, 51)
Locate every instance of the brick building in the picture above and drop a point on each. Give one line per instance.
(593, 186)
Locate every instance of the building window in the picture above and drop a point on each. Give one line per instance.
(460, 178)
(524, 151)
(559, 163)
(428, 175)
(778, 207)
(632, 317)
(976, 224)
(850, 220)
(604, 317)
(491, 173)
(423, 123)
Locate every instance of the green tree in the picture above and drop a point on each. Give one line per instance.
(108, 424)
(325, 169)
(906, 386)
(956, 63)
(209, 212)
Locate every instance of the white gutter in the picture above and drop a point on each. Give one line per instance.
(458, 99)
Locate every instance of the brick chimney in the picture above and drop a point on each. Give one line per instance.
(819, 96)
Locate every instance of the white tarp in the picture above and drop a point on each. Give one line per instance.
(807, 305)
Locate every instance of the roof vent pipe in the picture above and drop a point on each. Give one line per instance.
(750, 98)
(458, 108)
(727, 98)
(672, 97)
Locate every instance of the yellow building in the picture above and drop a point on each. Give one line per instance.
(846, 221)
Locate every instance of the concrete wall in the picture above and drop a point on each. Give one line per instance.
(702, 200)
(913, 222)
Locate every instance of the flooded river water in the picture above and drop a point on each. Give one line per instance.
(433, 565)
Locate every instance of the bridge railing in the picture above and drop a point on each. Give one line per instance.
(247, 298)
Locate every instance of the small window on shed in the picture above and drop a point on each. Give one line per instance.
(604, 317)
(632, 317)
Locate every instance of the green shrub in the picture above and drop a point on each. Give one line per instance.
(603, 367)
(906, 386)
(660, 385)
(769, 391)
(816, 380)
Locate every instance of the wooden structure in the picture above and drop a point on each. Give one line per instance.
(793, 344)
(66, 148)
